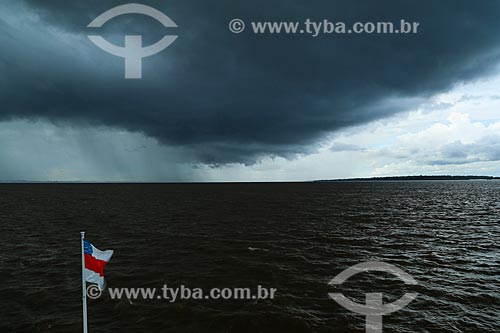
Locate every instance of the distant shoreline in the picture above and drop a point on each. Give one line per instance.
(410, 178)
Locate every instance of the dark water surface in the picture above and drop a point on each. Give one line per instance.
(292, 237)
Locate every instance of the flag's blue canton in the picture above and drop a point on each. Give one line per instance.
(87, 248)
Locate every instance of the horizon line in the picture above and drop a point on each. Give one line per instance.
(374, 178)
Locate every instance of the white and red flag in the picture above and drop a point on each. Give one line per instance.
(95, 261)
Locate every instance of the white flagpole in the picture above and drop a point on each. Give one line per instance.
(84, 288)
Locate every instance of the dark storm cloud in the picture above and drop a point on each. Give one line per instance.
(234, 97)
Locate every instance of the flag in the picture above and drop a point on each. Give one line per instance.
(95, 260)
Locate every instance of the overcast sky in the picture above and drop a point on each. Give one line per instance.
(218, 106)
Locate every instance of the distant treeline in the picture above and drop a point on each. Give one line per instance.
(404, 178)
